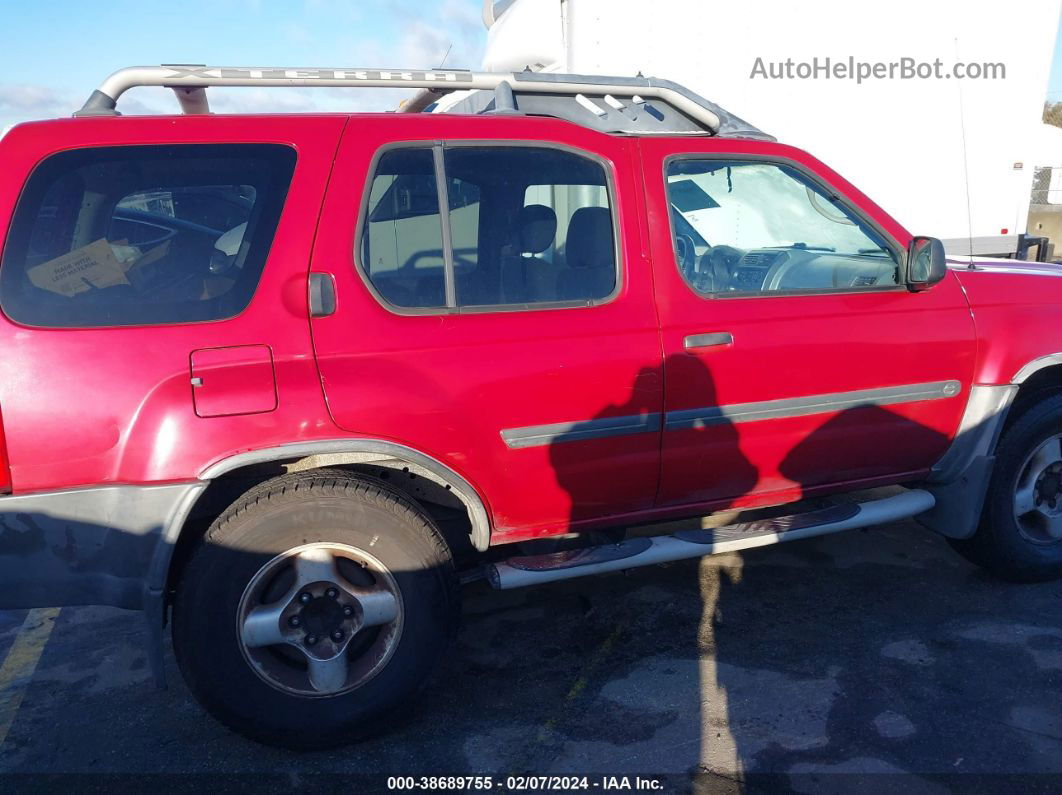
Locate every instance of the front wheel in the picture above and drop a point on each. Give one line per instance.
(1020, 534)
(314, 608)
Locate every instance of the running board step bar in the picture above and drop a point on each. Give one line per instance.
(533, 570)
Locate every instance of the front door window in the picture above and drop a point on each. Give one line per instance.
(756, 227)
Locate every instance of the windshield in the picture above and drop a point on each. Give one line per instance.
(762, 205)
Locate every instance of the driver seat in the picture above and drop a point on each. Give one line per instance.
(590, 255)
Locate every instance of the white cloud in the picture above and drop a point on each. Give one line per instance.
(423, 46)
(466, 17)
(424, 39)
(261, 100)
(146, 101)
(418, 36)
(304, 100)
(426, 35)
(33, 101)
(28, 102)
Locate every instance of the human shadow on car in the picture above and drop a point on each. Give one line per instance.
(787, 674)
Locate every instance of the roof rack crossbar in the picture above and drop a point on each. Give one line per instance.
(434, 82)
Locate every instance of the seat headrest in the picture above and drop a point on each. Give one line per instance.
(537, 228)
(590, 243)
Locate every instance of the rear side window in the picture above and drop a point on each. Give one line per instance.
(143, 235)
(523, 226)
(402, 240)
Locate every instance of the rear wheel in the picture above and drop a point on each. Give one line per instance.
(314, 608)
(1020, 534)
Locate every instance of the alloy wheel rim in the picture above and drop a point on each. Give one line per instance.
(1037, 501)
(320, 619)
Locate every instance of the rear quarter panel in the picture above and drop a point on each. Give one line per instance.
(114, 405)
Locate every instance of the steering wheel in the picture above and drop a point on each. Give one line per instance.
(718, 266)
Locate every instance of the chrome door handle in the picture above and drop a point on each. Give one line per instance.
(710, 340)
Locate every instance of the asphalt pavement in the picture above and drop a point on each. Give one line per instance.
(870, 656)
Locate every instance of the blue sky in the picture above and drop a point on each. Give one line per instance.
(1054, 89)
(54, 52)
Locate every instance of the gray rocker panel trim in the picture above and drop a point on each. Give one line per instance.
(86, 546)
(112, 545)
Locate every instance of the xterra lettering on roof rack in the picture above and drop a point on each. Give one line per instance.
(632, 105)
(182, 71)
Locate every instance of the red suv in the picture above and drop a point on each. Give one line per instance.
(279, 379)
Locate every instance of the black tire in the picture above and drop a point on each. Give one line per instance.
(329, 506)
(999, 545)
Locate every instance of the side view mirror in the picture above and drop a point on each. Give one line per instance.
(926, 263)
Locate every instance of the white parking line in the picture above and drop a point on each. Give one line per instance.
(21, 661)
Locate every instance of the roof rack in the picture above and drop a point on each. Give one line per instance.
(652, 105)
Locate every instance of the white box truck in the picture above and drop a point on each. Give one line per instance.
(933, 108)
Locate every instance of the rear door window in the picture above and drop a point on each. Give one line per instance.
(401, 242)
(143, 235)
(523, 227)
